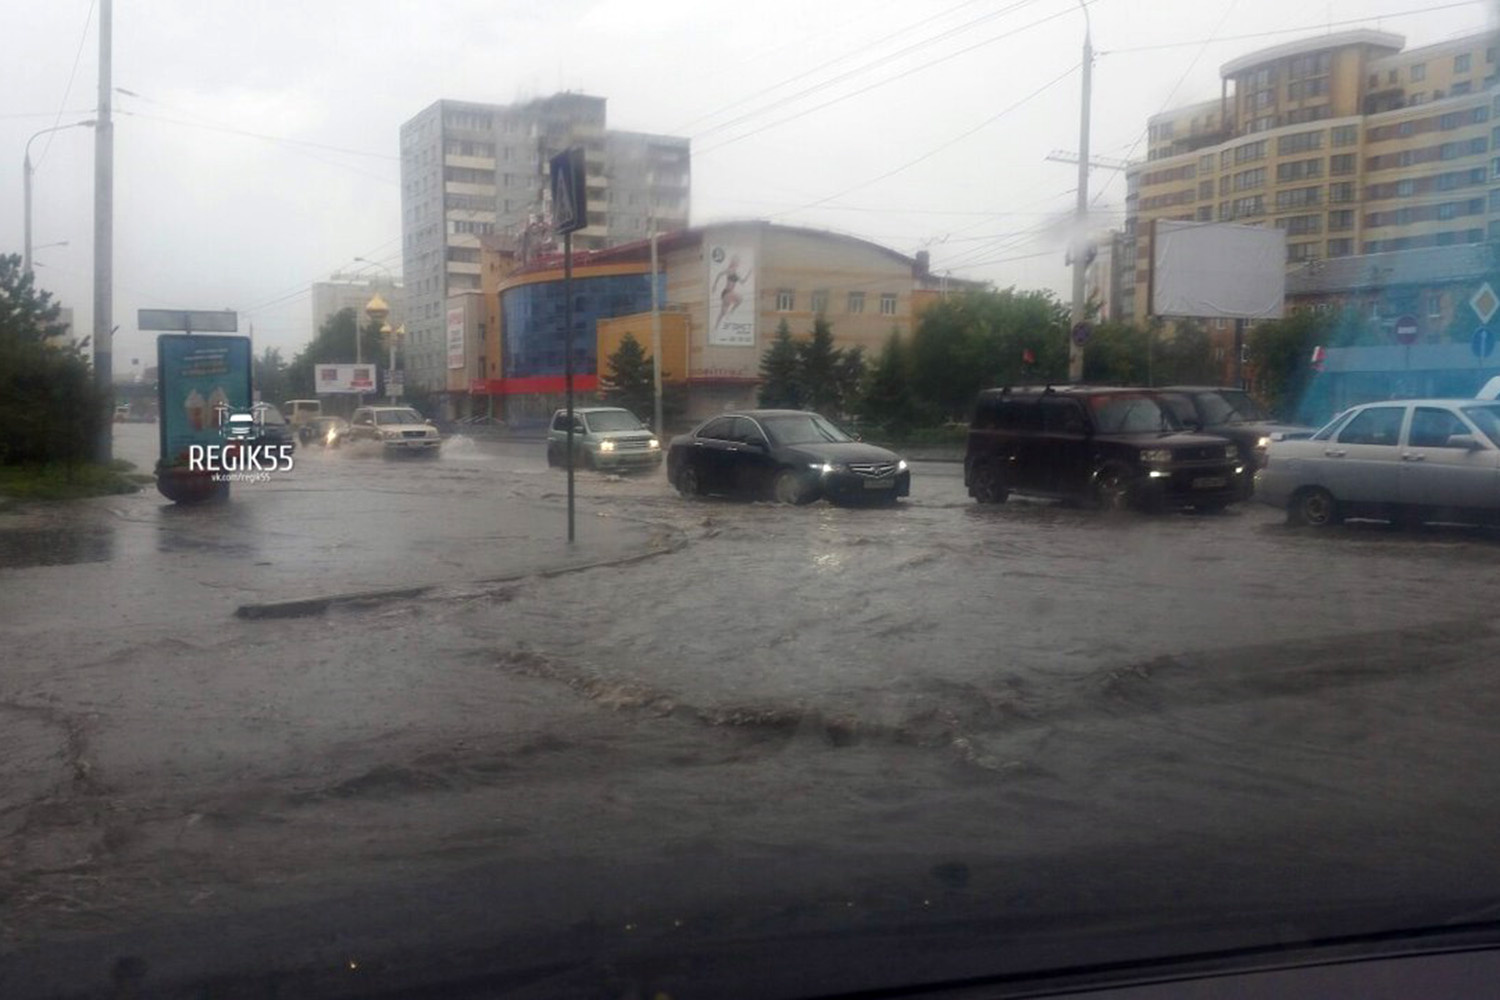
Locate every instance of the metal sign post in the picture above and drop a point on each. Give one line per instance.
(569, 213)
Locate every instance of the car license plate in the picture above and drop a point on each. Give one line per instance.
(1210, 483)
(879, 484)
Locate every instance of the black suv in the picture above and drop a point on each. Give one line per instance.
(1232, 414)
(1111, 446)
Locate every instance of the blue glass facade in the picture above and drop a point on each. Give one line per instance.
(533, 320)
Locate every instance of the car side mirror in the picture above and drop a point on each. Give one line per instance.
(1466, 441)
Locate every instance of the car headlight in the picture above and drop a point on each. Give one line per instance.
(823, 467)
(653, 443)
(1157, 456)
(1263, 442)
(606, 446)
(901, 465)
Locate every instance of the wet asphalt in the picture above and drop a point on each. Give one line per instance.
(927, 712)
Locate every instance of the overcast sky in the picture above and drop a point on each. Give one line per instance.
(260, 154)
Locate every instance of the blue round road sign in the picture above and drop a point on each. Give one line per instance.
(1081, 333)
(1483, 344)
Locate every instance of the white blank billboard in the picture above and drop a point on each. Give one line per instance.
(1217, 270)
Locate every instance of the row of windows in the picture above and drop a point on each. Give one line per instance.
(1433, 123)
(1423, 185)
(1462, 63)
(1443, 239)
(1425, 213)
(786, 301)
(1429, 154)
(1182, 173)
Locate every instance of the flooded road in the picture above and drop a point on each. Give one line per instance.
(783, 706)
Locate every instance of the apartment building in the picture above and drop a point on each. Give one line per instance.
(1350, 142)
(473, 171)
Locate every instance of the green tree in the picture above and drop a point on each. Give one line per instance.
(334, 343)
(50, 409)
(1116, 354)
(886, 401)
(1185, 357)
(270, 374)
(1280, 355)
(818, 368)
(629, 381)
(780, 385)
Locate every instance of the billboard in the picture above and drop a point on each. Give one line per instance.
(343, 378)
(455, 337)
(731, 295)
(1212, 269)
(199, 380)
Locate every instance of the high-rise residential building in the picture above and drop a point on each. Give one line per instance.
(471, 171)
(1350, 142)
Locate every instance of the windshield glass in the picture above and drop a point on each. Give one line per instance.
(398, 417)
(1126, 414)
(802, 428)
(1227, 406)
(612, 420)
(763, 556)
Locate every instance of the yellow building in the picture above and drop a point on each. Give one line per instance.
(1349, 142)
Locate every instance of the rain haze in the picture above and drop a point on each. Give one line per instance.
(256, 150)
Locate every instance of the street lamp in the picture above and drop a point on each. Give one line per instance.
(392, 338)
(377, 310)
(26, 172)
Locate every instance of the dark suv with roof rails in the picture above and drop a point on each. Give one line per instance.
(1111, 446)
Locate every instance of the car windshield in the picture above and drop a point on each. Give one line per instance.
(612, 420)
(398, 417)
(802, 428)
(874, 624)
(1226, 406)
(1487, 419)
(1119, 413)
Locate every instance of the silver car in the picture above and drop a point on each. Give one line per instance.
(604, 437)
(1405, 461)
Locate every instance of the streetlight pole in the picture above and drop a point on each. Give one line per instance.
(1080, 256)
(26, 171)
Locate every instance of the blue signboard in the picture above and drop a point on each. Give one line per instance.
(570, 210)
(1483, 343)
(200, 380)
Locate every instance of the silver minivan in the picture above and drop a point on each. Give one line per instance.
(1405, 461)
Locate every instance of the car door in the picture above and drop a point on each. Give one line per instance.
(750, 465)
(362, 427)
(1062, 457)
(1448, 464)
(709, 454)
(1362, 463)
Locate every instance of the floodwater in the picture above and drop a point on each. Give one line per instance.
(917, 710)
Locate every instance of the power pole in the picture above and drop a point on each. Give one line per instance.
(104, 244)
(1080, 261)
(655, 339)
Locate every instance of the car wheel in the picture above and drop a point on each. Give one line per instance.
(585, 458)
(1314, 507)
(1114, 489)
(790, 488)
(553, 458)
(687, 482)
(988, 485)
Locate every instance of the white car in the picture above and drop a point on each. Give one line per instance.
(1409, 460)
(399, 429)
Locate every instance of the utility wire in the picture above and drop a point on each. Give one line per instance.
(68, 90)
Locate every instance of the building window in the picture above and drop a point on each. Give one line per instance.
(1341, 221)
(856, 303)
(1340, 248)
(820, 301)
(888, 304)
(785, 297)
(1418, 72)
(1345, 135)
(1461, 63)
(1462, 87)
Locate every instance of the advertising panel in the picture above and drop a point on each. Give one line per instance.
(731, 296)
(455, 337)
(1217, 270)
(200, 380)
(343, 378)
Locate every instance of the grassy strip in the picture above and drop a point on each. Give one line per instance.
(58, 482)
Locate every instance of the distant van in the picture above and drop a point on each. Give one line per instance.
(300, 411)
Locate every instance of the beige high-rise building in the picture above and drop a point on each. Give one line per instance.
(1350, 142)
(473, 171)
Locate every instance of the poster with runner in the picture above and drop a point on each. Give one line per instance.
(731, 296)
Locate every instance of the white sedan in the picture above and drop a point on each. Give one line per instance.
(1409, 460)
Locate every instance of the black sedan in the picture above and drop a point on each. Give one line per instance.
(788, 455)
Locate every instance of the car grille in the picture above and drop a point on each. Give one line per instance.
(874, 470)
(631, 444)
(413, 434)
(1199, 453)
